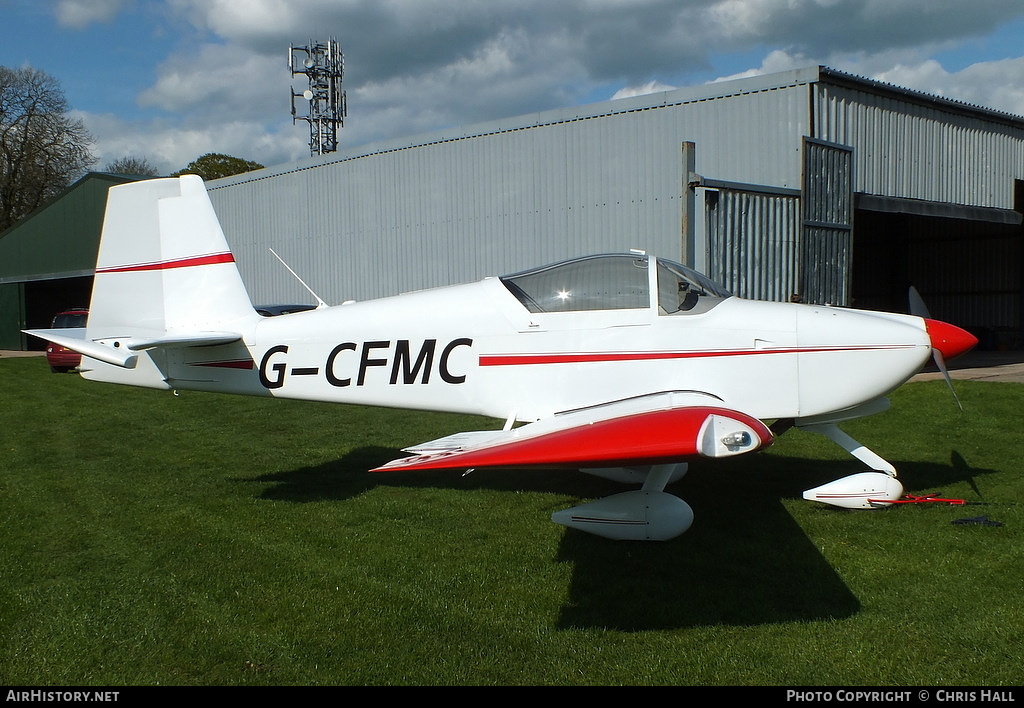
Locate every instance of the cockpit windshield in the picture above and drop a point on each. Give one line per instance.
(682, 289)
(610, 282)
(613, 282)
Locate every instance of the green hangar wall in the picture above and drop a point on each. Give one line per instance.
(47, 259)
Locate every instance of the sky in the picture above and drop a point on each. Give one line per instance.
(171, 80)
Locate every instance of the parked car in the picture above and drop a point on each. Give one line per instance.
(60, 358)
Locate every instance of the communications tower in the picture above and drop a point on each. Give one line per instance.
(324, 66)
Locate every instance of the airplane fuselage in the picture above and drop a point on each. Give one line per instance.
(475, 349)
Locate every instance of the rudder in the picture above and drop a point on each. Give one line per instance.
(164, 265)
(165, 280)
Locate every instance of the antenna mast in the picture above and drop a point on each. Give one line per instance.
(324, 66)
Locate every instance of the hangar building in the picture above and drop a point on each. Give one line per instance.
(811, 184)
(48, 258)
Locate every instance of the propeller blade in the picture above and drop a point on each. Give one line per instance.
(940, 361)
(917, 306)
(945, 338)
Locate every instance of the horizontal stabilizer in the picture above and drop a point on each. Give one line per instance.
(74, 339)
(122, 351)
(646, 431)
(185, 339)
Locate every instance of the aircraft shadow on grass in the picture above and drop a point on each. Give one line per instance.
(748, 562)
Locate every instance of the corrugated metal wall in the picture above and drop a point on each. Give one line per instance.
(827, 224)
(957, 157)
(754, 243)
(919, 149)
(459, 206)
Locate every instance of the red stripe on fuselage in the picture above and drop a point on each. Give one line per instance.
(167, 265)
(234, 364)
(593, 357)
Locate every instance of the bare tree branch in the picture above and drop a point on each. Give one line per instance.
(42, 149)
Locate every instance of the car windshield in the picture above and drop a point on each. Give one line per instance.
(66, 320)
(608, 282)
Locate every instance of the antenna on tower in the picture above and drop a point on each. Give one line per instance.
(324, 66)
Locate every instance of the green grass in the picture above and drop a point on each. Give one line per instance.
(200, 539)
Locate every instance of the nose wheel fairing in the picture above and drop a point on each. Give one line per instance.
(876, 489)
(864, 490)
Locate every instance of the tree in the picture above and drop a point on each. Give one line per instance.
(131, 165)
(42, 149)
(214, 166)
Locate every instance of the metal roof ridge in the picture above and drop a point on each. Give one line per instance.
(839, 77)
(708, 91)
(687, 94)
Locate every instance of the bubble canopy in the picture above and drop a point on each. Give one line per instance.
(615, 282)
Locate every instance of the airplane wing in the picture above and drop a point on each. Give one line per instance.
(661, 428)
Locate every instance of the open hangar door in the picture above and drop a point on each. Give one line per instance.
(45, 298)
(966, 262)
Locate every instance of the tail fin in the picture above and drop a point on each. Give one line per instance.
(165, 278)
(164, 266)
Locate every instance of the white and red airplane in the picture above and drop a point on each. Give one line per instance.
(625, 365)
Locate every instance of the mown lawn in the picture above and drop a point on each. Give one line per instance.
(202, 539)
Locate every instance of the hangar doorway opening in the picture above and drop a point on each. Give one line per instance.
(45, 298)
(967, 263)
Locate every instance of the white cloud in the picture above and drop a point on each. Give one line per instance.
(416, 66)
(79, 14)
(649, 87)
(171, 146)
(996, 84)
(221, 80)
(831, 26)
(776, 61)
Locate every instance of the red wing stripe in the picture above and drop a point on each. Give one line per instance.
(578, 358)
(166, 265)
(649, 438)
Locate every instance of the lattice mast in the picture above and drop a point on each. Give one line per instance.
(323, 64)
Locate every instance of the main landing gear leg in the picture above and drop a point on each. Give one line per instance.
(869, 458)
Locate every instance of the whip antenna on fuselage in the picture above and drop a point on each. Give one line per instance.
(320, 303)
